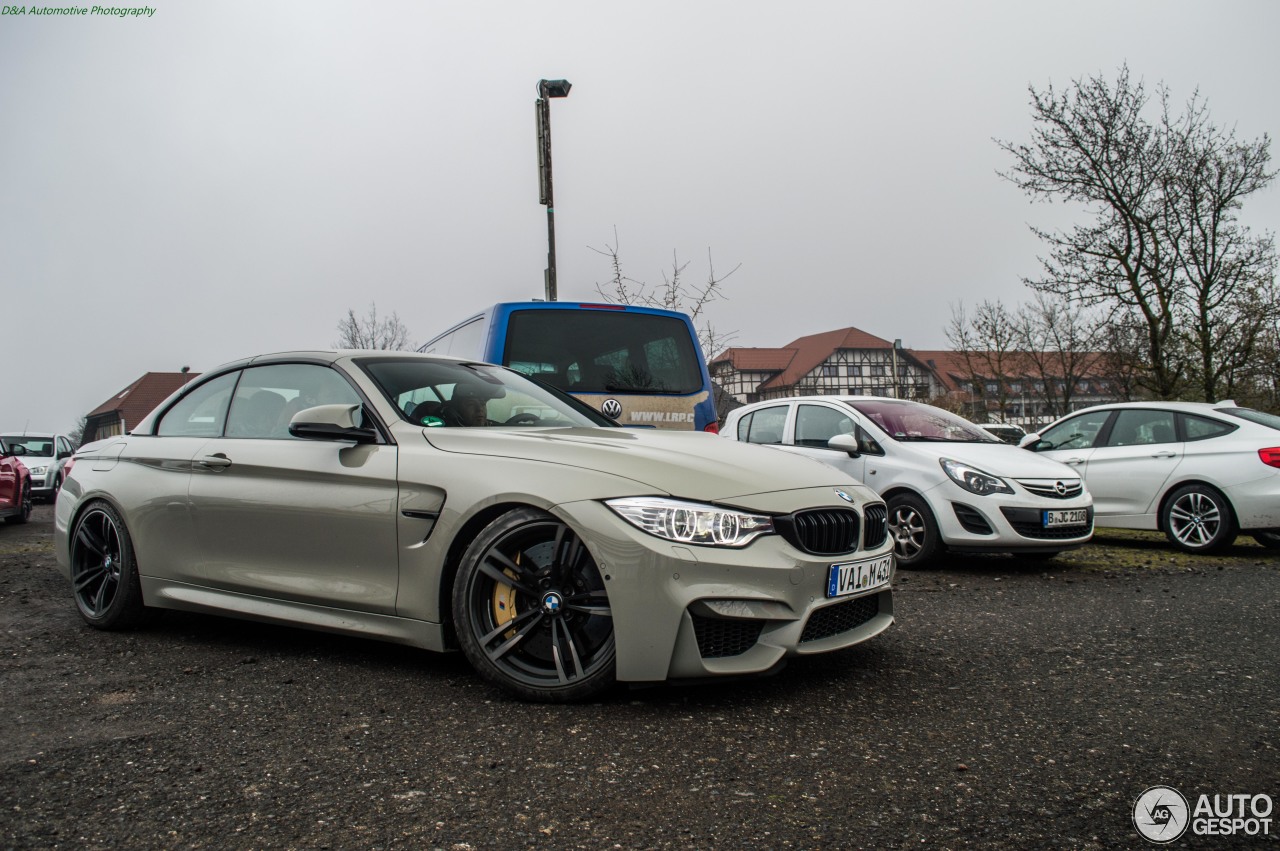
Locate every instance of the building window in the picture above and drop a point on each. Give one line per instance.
(830, 370)
(877, 369)
(855, 370)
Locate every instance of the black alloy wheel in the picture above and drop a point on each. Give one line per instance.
(1198, 519)
(104, 573)
(531, 610)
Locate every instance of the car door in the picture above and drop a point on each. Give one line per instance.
(154, 475)
(1072, 441)
(815, 423)
(309, 521)
(1132, 461)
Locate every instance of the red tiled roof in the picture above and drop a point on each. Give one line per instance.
(757, 360)
(141, 397)
(814, 349)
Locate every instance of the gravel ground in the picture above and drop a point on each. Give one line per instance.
(1014, 705)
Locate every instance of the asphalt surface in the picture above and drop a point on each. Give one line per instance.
(1013, 705)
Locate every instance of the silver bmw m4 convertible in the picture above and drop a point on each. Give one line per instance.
(452, 505)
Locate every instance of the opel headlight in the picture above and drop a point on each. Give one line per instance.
(691, 522)
(974, 480)
(38, 469)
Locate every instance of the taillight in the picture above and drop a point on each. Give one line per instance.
(1270, 457)
(712, 427)
(66, 469)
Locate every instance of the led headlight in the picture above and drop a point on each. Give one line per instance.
(691, 522)
(38, 469)
(974, 480)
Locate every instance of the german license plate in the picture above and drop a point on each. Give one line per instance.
(856, 577)
(1066, 517)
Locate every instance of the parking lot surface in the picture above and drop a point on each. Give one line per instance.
(1014, 705)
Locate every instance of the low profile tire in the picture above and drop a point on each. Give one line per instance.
(1270, 540)
(104, 571)
(531, 611)
(1198, 519)
(913, 529)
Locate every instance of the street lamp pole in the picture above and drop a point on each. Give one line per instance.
(548, 89)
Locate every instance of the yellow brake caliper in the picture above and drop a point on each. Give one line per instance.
(504, 601)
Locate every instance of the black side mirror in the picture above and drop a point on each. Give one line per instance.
(331, 422)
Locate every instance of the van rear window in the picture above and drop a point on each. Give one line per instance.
(590, 351)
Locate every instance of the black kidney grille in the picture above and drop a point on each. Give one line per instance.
(841, 617)
(821, 531)
(875, 526)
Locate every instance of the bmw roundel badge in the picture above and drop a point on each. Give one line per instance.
(844, 496)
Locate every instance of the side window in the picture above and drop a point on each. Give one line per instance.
(202, 412)
(1203, 428)
(764, 425)
(1142, 428)
(866, 443)
(1076, 433)
(816, 424)
(267, 397)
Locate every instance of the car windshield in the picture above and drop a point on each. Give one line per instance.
(37, 447)
(449, 393)
(1259, 417)
(911, 421)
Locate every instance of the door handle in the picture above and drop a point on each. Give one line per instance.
(217, 461)
(1164, 454)
(1073, 461)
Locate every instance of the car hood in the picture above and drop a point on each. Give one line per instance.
(1002, 459)
(687, 464)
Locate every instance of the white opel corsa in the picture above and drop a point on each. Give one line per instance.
(1199, 472)
(948, 483)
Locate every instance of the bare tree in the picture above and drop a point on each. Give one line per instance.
(1229, 273)
(370, 332)
(1165, 245)
(675, 293)
(1058, 342)
(76, 436)
(987, 343)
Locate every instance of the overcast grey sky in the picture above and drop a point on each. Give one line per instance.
(227, 178)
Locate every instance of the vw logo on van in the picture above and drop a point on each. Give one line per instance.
(611, 408)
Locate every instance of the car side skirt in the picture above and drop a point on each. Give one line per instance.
(165, 594)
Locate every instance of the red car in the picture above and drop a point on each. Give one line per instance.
(15, 487)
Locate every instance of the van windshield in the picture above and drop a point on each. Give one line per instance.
(599, 351)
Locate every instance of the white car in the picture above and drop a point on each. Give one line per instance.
(45, 455)
(1199, 472)
(948, 483)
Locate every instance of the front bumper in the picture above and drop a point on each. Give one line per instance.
(696, 612)
(1006, 522)
(45, 484)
